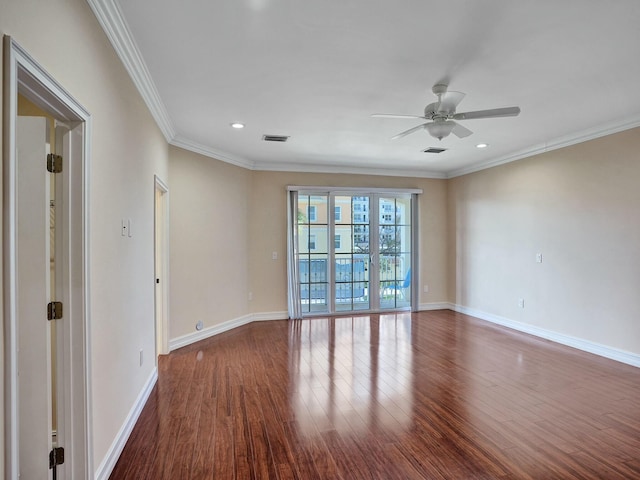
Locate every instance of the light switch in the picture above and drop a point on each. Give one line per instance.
(274, 255)
(538, 258)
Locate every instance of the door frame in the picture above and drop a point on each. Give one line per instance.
(161, 265)
(372, 192)
(22, 74)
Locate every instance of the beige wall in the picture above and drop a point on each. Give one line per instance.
(209, 241)
(578, 206)
(226, 222)
(127, 150)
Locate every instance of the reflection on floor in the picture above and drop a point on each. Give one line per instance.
(351, 373)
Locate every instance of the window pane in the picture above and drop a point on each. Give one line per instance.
(318, 206)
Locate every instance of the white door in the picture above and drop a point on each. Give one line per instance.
(32, 292)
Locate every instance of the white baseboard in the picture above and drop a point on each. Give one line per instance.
(111, 458)
(435, 306)
(190, 338)
(266, 316)
(596, 348)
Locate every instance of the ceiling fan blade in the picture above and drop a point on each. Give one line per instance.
(460, 131)
(408, 132)
(392, 115)
(493, 113)
(449, 101)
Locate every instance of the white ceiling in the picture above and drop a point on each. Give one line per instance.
(317, 70)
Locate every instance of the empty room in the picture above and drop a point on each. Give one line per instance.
(320, 240)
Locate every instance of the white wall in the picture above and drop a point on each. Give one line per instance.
(127, 150)
(578, 206)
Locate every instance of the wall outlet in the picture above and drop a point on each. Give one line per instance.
(199, 325)
(425, 289)
(538, 258)
(521, 302)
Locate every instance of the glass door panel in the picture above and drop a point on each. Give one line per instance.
(313, 252)
(394, 247)
(350, 246)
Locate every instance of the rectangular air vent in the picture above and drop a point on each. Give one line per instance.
(434, 150)
(275, 138)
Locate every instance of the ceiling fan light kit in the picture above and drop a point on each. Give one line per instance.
(443, 113)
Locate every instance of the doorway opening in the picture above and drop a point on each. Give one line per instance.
(161, 251)
(47, 428)
(354, 250)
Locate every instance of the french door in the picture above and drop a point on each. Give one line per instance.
(354, 251)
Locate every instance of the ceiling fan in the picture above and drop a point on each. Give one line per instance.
(441, 115)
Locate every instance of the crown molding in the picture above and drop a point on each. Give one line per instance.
(348, 169)
(561, 142)
(195, 147)
(205, 150)
(115, 27)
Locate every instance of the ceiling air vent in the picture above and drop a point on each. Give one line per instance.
(275, 138)
(434, 150)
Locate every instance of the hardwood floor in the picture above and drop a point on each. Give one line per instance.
(432, 395)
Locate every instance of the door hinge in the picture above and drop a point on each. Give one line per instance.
(54, 311)
(56, 457)
(54, 163)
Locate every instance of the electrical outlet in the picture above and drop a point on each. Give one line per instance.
(538, 258)
(521, 302)
(199, 325)
(274, 255)
(425, 289)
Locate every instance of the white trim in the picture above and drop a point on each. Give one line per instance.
(348, 169)
(268, 316)
(339, 190)
(423, 307)
(113, 454)
(205, 333)
(207, 151)
(568, 340)
(196, 336)
(24, 74)
(115, 27)
(565, 141)
(161, 324)
(187, 144)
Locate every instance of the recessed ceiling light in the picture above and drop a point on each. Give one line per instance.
(237, 125)
(482, 145)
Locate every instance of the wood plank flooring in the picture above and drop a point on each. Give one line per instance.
(431, 395)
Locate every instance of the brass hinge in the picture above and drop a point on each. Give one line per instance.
(56, 457)
(54, 311)
(54, 163)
